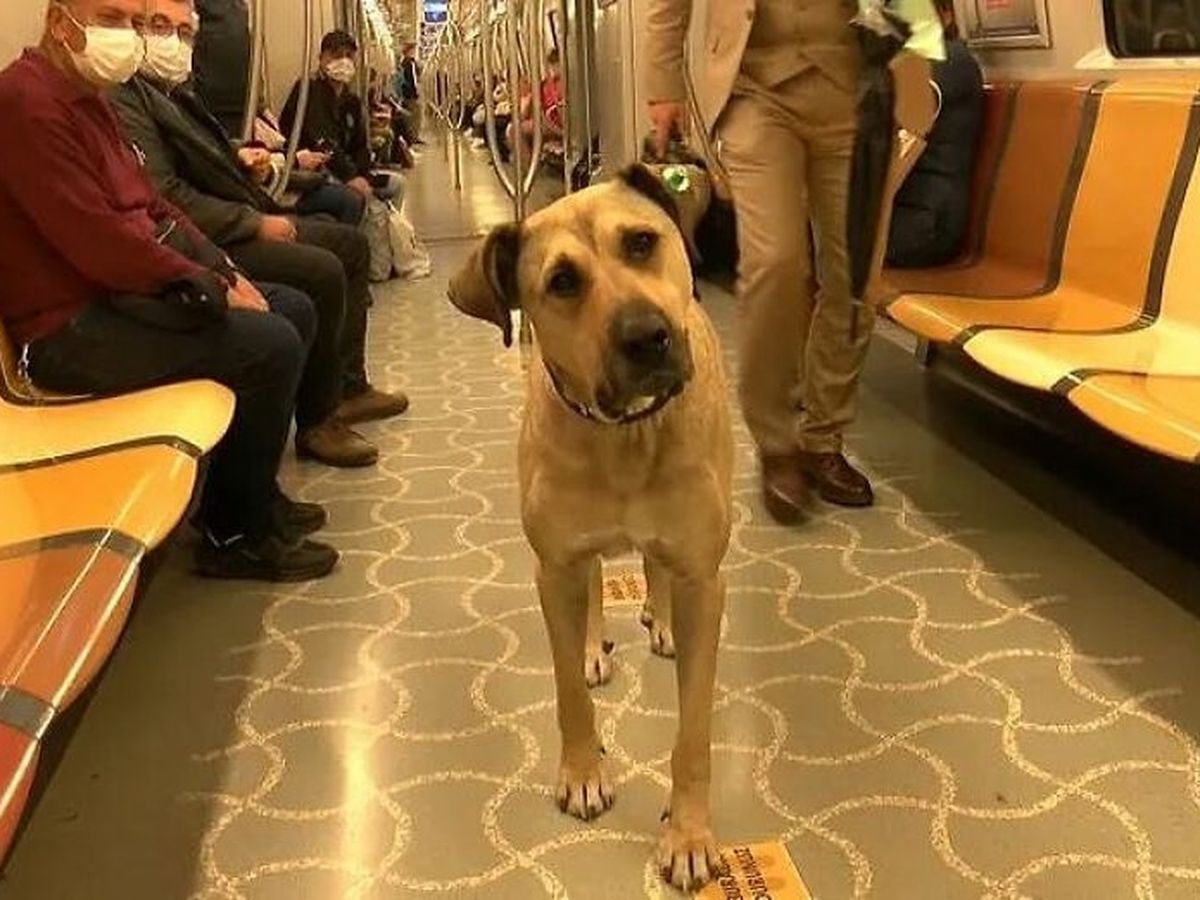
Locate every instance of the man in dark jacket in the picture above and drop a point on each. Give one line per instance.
(223, 59)
(190, 159)
(333, 122)
(930, 218)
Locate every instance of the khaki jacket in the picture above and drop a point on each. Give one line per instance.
(815, 33)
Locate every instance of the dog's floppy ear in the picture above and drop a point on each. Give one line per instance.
(649, 185)
(486, 286)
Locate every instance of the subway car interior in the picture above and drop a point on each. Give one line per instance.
(861, 339)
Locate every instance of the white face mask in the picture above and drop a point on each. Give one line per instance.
(167, 59)
(110, 56)
(342, 70)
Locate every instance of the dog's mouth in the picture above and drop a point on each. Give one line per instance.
(650, 394)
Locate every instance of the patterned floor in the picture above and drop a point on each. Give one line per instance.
(950, 695)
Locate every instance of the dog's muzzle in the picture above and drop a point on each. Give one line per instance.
(647, 362)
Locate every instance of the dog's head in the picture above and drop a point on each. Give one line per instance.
(605, 279)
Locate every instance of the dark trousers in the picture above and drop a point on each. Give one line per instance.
(258, 356)
(329, 262)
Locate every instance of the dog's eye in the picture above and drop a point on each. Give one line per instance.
(639, 245)
(565, 282)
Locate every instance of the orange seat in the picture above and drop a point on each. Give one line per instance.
(1032, 133)
(1158, 412)
(77, 594)
(1159, 336)
(1112, 234)
(87, 486)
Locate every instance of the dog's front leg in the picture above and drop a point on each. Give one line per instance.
(583, 788)
(687, 853)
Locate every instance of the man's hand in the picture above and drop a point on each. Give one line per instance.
(256, 161)
(311, 160)
(277, 228)
(669, 119)
(360, 186)
(244, 295)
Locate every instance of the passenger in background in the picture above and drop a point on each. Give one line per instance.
(189, 158)
(777, 85)
(334, 122)
(109, 288)
(223, 60)
(930, 217)
(1172, 31)
(408, 86)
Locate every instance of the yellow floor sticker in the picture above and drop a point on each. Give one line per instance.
(757, 872)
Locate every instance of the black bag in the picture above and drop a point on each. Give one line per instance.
(188, 305)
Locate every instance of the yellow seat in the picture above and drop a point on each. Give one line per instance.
(1160, 413)
(1161, 339)
(140, 492)
(1112, 235)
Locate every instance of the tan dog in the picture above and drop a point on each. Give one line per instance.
(626, 444)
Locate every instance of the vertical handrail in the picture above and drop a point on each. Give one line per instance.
(258, 45)
(514, 89)
(310, 52)
(586, 30)
(565, 69)
(534, 17)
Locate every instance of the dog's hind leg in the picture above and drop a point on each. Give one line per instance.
(687, 854)
(597, 661)
(583, 789)
(656, 613)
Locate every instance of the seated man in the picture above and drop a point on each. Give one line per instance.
(334, 120)
(930, 217)
(189, 158)
(87, 270)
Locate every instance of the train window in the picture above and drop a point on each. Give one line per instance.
(1152, 27)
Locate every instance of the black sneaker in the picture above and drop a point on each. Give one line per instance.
(295, 519)
(271, 558)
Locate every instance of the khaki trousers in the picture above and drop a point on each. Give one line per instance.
(803, 340)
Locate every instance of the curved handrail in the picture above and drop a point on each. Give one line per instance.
(293, 146)
(258, 46)
(488, 33)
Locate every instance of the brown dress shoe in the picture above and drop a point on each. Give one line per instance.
(835, 480)
(785, 492)
(372, 405)
(335, 444)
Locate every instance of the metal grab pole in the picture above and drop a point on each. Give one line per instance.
(310, 48)
(518, 145)
(586, 31)
(564, 108)
(535, 16)
(364, 69)
(489, 107)
(258, 46)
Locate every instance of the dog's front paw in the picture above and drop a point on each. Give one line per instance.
(662, 641)
(688, 857)
(585, 792)
(597, 663)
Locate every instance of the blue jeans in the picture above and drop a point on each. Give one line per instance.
(258, 356)
(336, 200)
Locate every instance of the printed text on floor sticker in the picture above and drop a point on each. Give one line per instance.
(757, 872)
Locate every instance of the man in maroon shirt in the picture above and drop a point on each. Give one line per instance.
(81, 229)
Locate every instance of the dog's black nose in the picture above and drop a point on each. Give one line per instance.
(642, 334)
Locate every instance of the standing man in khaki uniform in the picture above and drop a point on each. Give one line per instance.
(776, 83)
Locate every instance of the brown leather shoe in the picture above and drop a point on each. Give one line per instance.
(335, 444)
(785, 491)
(372, 405)
(835, 480)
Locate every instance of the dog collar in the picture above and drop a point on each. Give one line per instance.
(586, 412)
